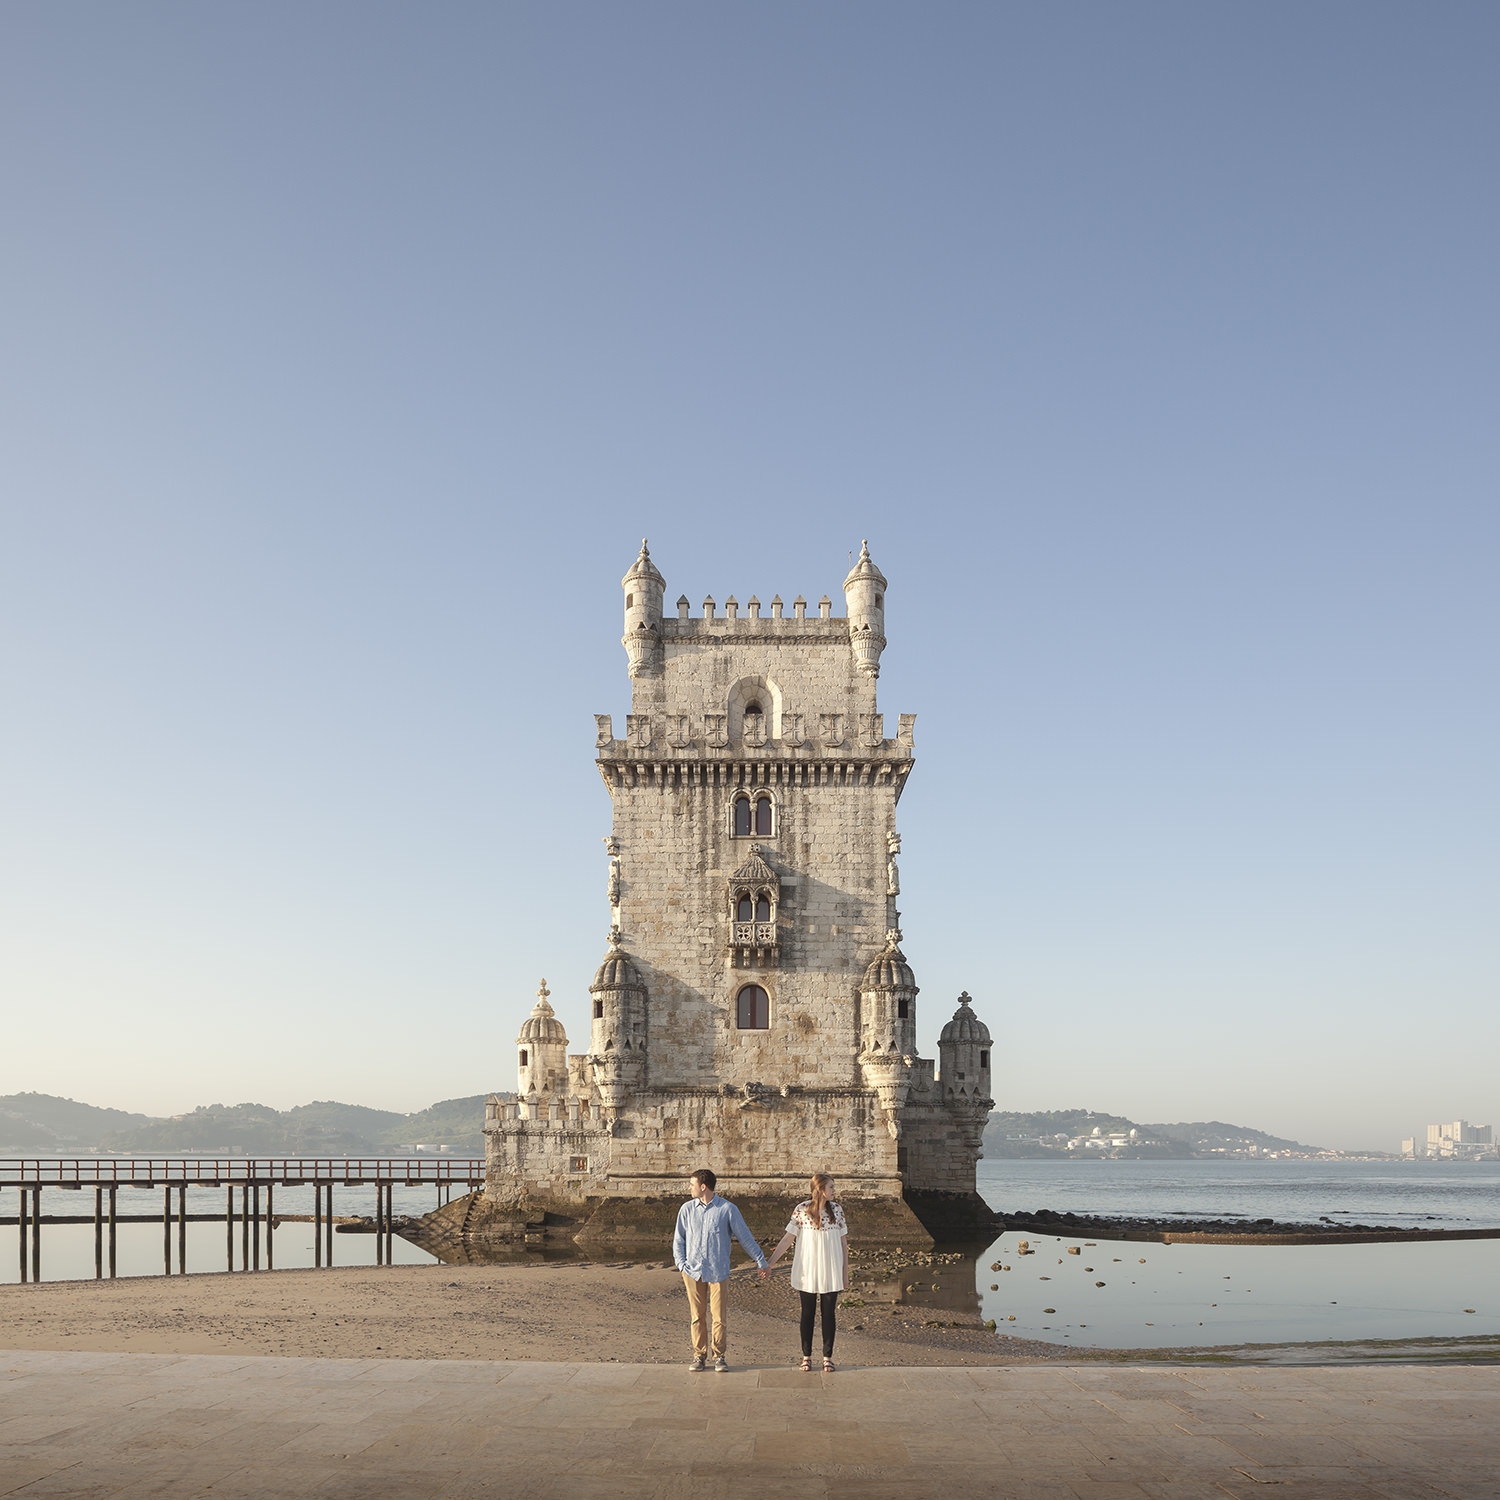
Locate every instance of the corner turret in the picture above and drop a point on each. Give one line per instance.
(617, 1047)
(542, 1053)
(864, 594)
(964, 1059)
(888, 1029)
(644, 587)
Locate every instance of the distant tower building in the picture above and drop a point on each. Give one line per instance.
(754, 1011)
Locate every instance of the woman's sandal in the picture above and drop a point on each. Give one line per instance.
(828, 1365)
(806, 1365)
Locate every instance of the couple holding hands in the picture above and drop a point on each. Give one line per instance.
(820, 1262)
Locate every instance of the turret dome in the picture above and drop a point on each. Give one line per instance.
(542, 1024)
(617, 972)
(889, 970)
(864, 568)
(965, 1025)
(643, 567)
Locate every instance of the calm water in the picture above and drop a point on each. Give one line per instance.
(1163, 1295)
(68, 1249)
(1460, 1195)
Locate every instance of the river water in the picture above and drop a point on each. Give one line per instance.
(1153, 1295)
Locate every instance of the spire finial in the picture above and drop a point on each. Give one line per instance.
(864, 548)
(542, 990)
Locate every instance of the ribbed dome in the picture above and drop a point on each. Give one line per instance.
(542, 1024)
(864, 568)
(643, 567)
(965, 1025)
(616, 973)
(889, 971)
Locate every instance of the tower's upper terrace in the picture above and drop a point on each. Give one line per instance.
(765, 677)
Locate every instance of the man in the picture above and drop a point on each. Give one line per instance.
(700, 1247)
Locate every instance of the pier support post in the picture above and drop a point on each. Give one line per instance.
(229, 1227)
(112, 1191)
(244, 1226)
(317, 1223)
(166, 1230)
(36, 1234)
(98, 1233)
(255, 1226)
(182, 1229)
(21, 1224)
(270, 1225)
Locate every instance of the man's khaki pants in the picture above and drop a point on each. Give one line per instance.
(707, 1299)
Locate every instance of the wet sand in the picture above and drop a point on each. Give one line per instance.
(625, 1312)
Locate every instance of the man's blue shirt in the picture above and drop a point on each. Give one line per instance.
(701, 1244)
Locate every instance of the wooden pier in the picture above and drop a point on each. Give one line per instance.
(255, 1179)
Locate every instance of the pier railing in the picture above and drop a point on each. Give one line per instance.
(220, 1171)
(255, 1177)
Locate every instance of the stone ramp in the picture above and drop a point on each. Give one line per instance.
(128, 1425)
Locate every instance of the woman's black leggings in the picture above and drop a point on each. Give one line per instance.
(811, 1301)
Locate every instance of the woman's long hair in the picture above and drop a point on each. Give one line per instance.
(822, 1195)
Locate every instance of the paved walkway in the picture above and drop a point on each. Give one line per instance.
(173, 1428)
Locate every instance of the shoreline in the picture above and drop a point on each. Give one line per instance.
(629, 1312)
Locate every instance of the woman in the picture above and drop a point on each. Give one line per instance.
(820, 1263)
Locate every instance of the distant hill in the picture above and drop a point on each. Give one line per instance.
(324, 1128)
(455, 1123)
(45, 1122)
(1210, 1137)
(1047, 1135)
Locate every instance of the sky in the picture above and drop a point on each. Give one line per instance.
(351, 350)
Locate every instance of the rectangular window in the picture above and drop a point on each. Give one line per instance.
(523, 1057)
(903, 1009)
(984, 1059)
(580, 1164)
(598, 1010)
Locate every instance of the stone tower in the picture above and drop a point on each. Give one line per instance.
(754, 1011)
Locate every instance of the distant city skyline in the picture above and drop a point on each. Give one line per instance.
(352, 352)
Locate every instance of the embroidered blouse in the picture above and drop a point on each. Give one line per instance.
(818, 1260)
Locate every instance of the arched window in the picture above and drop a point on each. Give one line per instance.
(763, 816)
(753, 1009)
(629, 600)
(744, 910)
(754, 708)
(741, 815)
(762, 908)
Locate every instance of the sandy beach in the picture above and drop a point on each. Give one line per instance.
(625, 1311)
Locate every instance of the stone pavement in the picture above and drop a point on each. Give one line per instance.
(172, 1428)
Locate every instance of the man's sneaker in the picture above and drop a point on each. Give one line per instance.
(719, 1365)
(700, 1362)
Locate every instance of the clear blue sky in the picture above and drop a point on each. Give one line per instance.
(350, 350)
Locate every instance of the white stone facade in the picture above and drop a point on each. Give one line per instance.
(792, 892)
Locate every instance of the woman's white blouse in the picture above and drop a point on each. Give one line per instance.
(818, 1260)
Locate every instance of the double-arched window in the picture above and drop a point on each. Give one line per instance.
(753, 819)
(752, 1009)
(753, 908)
